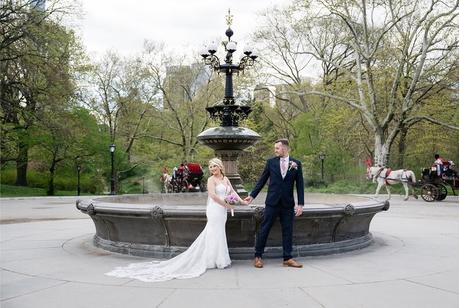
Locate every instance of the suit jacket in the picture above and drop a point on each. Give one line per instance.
(280, 190)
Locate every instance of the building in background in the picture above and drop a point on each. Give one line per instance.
(38, 4)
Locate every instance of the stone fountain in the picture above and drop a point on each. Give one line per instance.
(164, 225)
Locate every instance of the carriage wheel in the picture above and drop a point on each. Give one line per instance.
(184, 186)
(442, 192)
(429, 192)
(176, 188)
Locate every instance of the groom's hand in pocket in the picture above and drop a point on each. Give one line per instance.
(298, 210)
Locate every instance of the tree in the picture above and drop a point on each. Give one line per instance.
(419, 50)
(185, 90)
(400, 54)
(282, 38)
(102, 91)
(34, 55)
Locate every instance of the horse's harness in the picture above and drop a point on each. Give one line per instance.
(386, 178)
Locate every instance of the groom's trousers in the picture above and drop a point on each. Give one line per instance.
(270, 215)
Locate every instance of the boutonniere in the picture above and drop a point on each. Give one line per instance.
(292, 165)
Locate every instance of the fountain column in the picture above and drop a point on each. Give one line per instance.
(229, 140)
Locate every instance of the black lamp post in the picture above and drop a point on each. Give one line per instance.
(322, 158)
(229, 113)
(112, 180)
(78, 167)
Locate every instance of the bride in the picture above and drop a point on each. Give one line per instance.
(209, 250)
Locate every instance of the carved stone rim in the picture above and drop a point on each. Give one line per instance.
(100, 206)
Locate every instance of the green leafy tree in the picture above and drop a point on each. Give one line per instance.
(34, 56)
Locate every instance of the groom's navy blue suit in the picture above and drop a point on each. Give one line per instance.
(279, 202)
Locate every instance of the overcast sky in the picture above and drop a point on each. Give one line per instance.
(181, 24)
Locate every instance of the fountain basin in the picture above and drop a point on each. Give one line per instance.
(164, 225)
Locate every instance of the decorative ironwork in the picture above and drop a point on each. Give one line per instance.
(228, 112)
(157, 212)
(258, 213)
(349, 210)
(386, 206)
(229, 18)
(91, 210)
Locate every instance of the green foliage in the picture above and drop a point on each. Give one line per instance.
(307, 141)
(16, 191)
(348, 187)
(252, 162)
(64, 181)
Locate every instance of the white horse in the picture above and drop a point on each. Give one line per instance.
(385, 177)
(166, 179)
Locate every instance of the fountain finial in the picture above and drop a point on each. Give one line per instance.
(229, 18)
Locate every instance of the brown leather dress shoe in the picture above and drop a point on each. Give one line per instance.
(292, 263)
(258, 263)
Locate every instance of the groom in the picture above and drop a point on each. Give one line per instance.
(282, 171)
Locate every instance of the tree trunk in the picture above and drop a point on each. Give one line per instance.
(185, 153)
(402, 148)
(52, 170)
(21, 163)
(381, 150)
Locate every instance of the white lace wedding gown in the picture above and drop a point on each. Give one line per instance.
(209, 250)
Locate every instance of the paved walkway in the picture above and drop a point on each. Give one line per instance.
(47, 260)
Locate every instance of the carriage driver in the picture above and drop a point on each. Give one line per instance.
(441, 164)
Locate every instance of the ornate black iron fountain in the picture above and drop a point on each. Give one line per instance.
(229, 140)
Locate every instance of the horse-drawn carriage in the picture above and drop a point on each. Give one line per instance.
(434, 187)
(185, 178)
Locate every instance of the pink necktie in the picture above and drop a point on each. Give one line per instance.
(283, 167)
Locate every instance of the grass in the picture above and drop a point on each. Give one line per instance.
(347, 187)
(64, 182)
(134, 185)
(342, 187)
(21, 191)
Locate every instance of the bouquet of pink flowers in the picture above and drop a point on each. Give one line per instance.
(232, 200)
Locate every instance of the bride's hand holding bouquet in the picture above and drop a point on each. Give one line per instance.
(231, 200)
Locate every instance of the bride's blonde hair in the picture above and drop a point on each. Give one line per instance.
(218, 163)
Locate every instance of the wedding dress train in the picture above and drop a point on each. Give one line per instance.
(209, 250)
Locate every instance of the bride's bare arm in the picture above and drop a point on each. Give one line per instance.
(211, 191)
(241, 201)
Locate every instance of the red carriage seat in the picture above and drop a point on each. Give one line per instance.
(194, 168)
